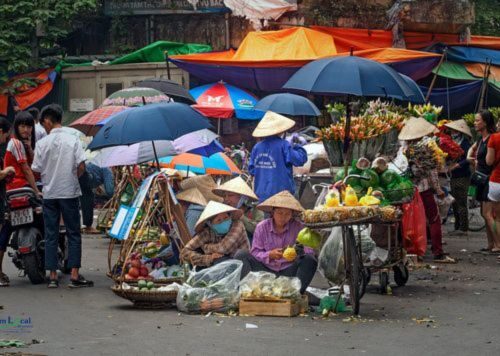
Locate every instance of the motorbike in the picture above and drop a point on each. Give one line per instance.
(25, 216)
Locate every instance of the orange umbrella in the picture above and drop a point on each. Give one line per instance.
(216, 164)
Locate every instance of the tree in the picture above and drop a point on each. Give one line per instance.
(27, 26)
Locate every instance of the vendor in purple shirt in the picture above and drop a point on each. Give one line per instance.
(272, 236)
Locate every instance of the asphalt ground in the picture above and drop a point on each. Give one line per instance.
(443, 310)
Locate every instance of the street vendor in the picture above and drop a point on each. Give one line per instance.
(193, 202)
(238, 194)
(424, 169)
(273, 158)
(272, 236)
(219, 234)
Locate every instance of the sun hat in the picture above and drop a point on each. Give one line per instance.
(460, 126)
(272, 124)
(205, 185)
(238, 186)
(415, 128)
(214, 208)
(193, 196)
(281, 200)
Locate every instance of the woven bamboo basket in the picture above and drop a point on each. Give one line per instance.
(147, 300)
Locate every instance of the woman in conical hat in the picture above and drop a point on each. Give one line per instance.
(426, 178)
(273, 158)
(219, 234)
(193, 202)
(273, 236)
(460, 175)
(238, 194)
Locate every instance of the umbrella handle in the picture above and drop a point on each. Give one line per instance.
(156, 156)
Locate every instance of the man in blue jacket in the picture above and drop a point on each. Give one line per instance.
(273, 158)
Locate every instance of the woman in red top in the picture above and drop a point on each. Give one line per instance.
(20, 152)
(493, 160)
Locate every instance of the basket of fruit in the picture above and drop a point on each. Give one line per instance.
(148, 294)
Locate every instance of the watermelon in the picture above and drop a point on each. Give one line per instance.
(373, 180)
(389, 177)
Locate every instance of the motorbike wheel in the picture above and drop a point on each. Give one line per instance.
(33, 268)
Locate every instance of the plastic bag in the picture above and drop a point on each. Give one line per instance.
(266, 285)
(309, 238)
(444, 205)
(331, 257)
(211, 289)
(414, 226)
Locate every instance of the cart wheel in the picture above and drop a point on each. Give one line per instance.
(353, 270)
(401, 275)
(384, 282)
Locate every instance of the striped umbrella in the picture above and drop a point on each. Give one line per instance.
(88, 122)
(216, 164)
(135, 96)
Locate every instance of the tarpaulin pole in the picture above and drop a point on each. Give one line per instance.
(427, 97)
(168, 64)
(485, 84)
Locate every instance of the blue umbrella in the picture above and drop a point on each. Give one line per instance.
(288, 104)
(208, 150)
(350, 75)
(165, 121)
(418, 97)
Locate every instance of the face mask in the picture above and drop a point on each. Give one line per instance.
(221, 228)
(243, 201)
(455, 137)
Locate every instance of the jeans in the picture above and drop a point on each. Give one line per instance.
(303, 268)
(52, 210)
(87, 199)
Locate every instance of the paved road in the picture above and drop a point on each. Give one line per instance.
(460, 301)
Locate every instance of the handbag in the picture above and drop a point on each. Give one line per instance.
(479, 179)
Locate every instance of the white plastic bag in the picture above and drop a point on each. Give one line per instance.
(266, 285)
(444, 205)
(211, 289)
(331, 257)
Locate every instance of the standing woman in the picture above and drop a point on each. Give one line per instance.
(493, 160)
(20, 152)
(484, 124)
(460, 175)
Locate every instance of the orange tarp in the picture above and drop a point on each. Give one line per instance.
(477, 70)
(295, 43)
(359, 39)
(296, 47)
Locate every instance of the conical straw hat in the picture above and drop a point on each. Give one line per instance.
(205, 185)
(238, 186)
(212, 209)
(281, 200)
(415, 128)
(272, 124)
(460, 126)
(193, 196)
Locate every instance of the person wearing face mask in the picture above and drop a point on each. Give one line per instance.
(272, 236)
(219, 234)
(273, 158)
(239, 195)
(460, 175)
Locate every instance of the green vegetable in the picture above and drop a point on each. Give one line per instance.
(150, 285)
(142, 284)
(373, 180)
(389, 177)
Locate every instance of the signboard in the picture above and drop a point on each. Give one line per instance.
(126, 215)
(81, 105)
(162, 7)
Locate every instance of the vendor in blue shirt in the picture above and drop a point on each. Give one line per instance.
(273, 158)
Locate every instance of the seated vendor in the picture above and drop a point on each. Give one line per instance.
(272, 236)
(219, 234)
(193, 202)
(238, 194)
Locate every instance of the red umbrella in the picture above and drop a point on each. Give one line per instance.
(87, 123)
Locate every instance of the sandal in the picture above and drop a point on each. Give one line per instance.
(80, 282)
(54, 283)
(444, 259)
(4, 280)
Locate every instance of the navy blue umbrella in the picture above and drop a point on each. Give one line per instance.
(418, 97)
(350, 75)
(165, 121)
(288, 104)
